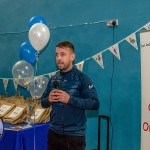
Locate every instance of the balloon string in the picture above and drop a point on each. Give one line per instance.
(36, 65)
(34, 80)
(35, 73)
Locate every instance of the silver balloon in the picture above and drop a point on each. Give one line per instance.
(37, 86)
(23, 72)
(39, 35)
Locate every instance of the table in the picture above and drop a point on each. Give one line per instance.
(33, 138)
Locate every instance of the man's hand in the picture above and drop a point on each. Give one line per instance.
(59, 95)
(53, 96)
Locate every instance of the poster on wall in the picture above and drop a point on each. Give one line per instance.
(145, 89)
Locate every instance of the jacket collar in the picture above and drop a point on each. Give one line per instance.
(71, 70)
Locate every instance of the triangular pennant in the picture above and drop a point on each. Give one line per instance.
(115, 50)
(5, 82)
(52, 74)
(132, 40)
(99, 59)
(147, 26)
(15, 83)
(80, 65)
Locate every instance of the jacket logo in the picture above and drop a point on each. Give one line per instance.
(90, 86)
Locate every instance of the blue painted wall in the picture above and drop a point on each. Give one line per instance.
(123, 102)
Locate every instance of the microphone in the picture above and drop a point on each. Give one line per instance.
(56, 84)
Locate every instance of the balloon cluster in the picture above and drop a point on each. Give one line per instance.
(23, 70)
(39, 35)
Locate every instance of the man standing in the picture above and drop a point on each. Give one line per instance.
(70, 93)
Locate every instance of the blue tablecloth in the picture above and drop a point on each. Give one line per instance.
(33, 138)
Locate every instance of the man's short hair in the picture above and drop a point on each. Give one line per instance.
(66, 44)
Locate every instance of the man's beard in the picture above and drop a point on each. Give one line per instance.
(63, 67)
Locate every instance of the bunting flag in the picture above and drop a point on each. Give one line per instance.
(115, 50)
(99, 59)
(15, 83)
(80, 65)
(52, 74)
(5, 82)
(147, 26)
(132, 40)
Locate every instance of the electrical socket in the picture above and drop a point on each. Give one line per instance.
(111, 23)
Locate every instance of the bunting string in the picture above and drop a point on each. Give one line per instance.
(59, 27)
(114, 49)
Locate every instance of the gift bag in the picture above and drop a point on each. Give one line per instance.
(16, 115)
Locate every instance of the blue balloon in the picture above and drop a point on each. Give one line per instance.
(36, 19)
(28, 53)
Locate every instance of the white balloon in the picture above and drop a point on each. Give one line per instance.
(39, 35)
